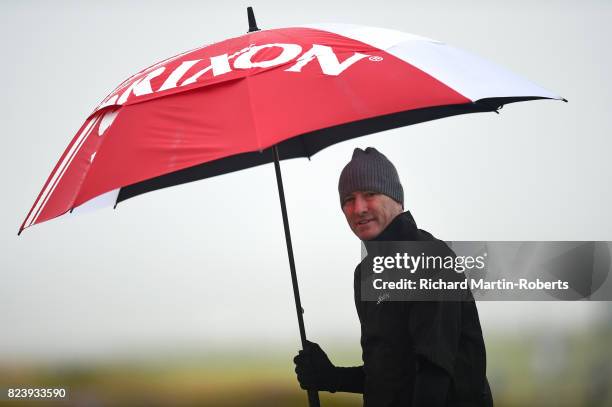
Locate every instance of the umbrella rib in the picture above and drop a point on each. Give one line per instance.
(61, 170)
(253, 119)
(72, 206)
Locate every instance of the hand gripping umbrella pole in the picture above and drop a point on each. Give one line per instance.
(313, 395)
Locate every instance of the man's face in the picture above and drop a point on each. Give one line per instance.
(369, 213)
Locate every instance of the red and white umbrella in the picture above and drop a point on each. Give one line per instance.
(261, 97)
(218, 108)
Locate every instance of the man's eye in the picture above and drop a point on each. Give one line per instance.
(370, 194)
(347, 200)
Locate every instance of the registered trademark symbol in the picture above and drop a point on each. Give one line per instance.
(375, 58)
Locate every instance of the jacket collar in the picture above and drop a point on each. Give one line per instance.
(402, 227)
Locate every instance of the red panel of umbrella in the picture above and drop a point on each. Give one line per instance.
(263, 97)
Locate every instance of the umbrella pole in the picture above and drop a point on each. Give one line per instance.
(313, 395)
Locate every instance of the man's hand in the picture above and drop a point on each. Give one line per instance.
(314, 369)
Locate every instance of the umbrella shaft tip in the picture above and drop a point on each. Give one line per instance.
(252, 22)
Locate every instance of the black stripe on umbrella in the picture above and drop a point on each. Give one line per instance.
(308, 144)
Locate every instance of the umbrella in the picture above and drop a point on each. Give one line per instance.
(264, 97)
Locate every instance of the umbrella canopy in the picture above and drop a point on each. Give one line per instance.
(222, 107)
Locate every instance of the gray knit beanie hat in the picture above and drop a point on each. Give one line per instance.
(370, 170)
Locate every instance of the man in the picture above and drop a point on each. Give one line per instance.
(426, 353)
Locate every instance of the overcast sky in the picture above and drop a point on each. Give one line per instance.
(205, 263)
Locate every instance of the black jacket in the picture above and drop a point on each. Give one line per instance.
(414, 350)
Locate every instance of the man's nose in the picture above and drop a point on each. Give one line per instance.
(361, 205)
